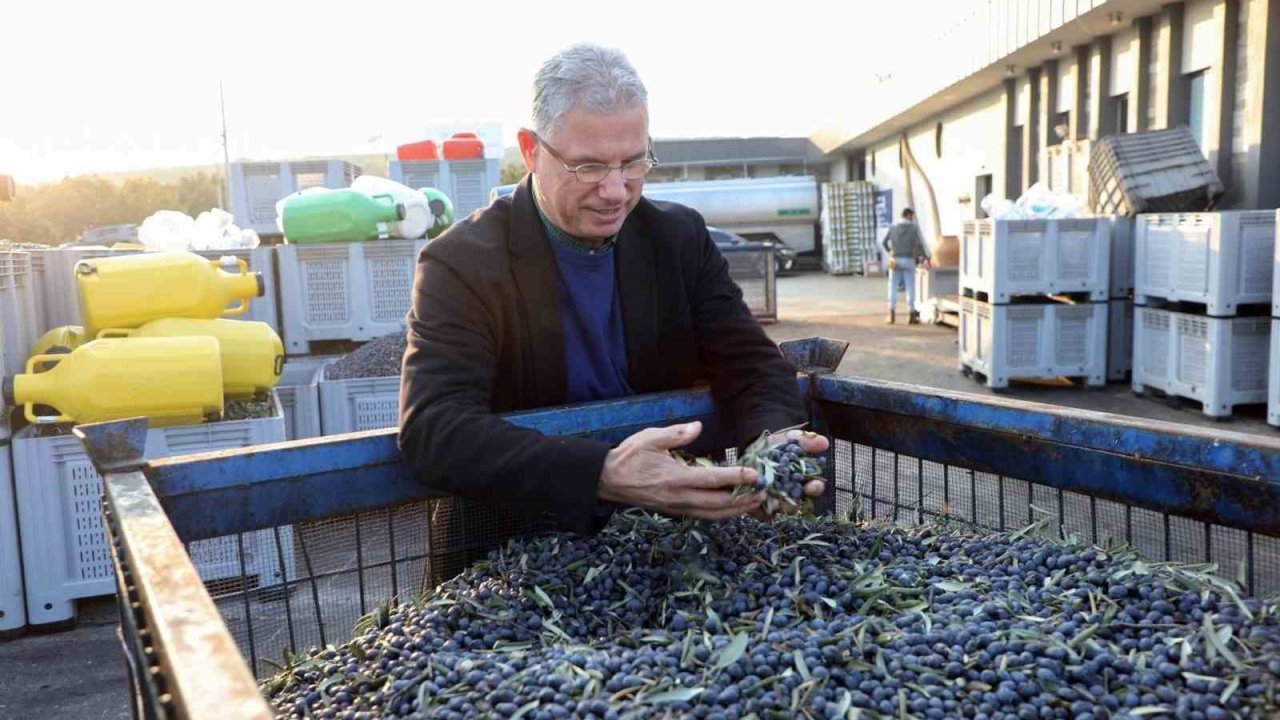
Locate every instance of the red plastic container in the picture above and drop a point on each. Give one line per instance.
(463, 148)
(464, 135)
(423, 150)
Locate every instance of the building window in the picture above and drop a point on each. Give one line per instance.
(1061, 130)
(726, 172)
(937, 140)
(1195, 114)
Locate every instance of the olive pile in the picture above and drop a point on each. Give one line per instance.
(802, 618)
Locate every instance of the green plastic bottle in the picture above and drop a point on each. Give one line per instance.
(339, 216)
(441, 211)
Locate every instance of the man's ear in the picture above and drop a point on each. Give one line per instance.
(528, 148)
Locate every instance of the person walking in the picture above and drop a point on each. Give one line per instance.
(905, 247)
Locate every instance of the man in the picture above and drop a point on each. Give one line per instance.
(572, 289)
(905, 246)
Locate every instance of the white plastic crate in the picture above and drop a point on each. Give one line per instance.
(359, 404)
(1119, 340)
(40, 310)
(261, 259)
(936, 282)
(1004, 342)
(13, 609)
(256, 187)
(1221, 362)
(1122, 230)
(1273, 376)
(18, 328)
(300, 398)
(1219, 259)
(65, 555)
(345, 291)
(466, 182)
(1001, 259)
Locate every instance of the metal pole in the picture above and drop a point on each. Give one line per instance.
(225, 192)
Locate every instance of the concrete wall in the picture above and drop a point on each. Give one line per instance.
(972, 145)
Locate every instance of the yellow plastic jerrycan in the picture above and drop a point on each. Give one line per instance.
(126, 291)
(60, 339)
(170, 381)
(252, 354)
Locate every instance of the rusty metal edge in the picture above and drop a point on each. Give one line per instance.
(185, 628)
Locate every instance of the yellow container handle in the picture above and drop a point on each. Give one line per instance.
(242, 306)
(113, 333)
(29, 409)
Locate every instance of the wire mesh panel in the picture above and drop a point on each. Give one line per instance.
(881, 485)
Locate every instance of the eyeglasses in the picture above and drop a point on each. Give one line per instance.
(594, 173)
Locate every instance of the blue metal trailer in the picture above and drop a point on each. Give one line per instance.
(362, 531)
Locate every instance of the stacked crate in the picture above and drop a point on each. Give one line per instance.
(1034, 299)
(1273, 361)
(1203, 287)
(848, 226)
(1120, 301)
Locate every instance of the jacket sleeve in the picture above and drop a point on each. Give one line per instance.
(749, 377)
(450, 437)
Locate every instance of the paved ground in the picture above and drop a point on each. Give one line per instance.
(80, 673)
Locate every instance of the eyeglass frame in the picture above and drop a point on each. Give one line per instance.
(650, 159)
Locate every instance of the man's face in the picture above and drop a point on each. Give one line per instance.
(590, 211)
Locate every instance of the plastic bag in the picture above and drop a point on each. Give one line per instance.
(998, 208)
(212, 230)
(1037, 203)
(167, 230)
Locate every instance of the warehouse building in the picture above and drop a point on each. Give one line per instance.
(736, 158)
(1029, 85)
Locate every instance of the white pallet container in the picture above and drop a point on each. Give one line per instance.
(1219, 259)
(466, 182)
(1273, 376)
(359, 404)
(1122, 248)
(13, 607)
(256, 187)
(18, 328)
(1005, 342)
(65, 555)
(262, 260)
(1002, 259)
(1119, 340)
(934, 282)
(1221, 362)
(300, 397)
(41, 311)
(345, 291)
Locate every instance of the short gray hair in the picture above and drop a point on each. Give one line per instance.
(585, 76)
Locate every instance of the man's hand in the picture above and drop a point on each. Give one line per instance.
(813, 444)
(641, 472)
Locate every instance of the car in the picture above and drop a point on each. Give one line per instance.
(784, 258)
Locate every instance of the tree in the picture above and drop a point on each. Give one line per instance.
(512, 172)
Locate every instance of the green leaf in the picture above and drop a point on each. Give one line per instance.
(1150, 710)
(525, 709)
(1220, 639)
(953, 586)
(844, 703)
(592, 574)
(673, 696)
(732, 652)
(542, 598)
(1230, 690)
(801, 666)
(768, 620)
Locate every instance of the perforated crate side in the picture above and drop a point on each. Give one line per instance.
(64, 548)
(37, 291)
(1273, 376)
(1040, 341)
(359, 404)
(1222, 259)
(13, 611)
(18, 328)
(1002, 259)
(1153, 339)
(416, 174)
(300, 398)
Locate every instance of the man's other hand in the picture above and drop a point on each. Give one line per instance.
(642, 472)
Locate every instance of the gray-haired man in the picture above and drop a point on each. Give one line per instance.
(572, 289)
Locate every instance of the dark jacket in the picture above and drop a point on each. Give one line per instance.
(904, 240)
(485, 337)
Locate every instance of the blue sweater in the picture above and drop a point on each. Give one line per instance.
(595, 348)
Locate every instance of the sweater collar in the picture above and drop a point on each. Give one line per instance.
(564, 239)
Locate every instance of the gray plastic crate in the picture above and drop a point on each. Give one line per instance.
(345, 291)
(1002, 259)
(1220, 259)
(1050, 340)
(359, 404)
(13, 610)
(1159, 171)
(1221, 362)
(1122, 250)
(256, 187)
(1119, 340)
(300, 397)
(18, 328)
(466, 182)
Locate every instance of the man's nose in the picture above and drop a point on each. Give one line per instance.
(613, 188)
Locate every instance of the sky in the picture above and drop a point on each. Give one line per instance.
(134, 84)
